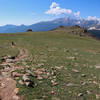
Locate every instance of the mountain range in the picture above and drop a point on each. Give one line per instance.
(49, 25)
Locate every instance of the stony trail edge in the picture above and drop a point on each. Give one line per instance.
(8, 89)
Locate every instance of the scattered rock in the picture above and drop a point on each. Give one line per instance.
(16, 74)
(20, 82)
(83, 83)
(53, 92)
(25, 78)
(59, 67)
(75, 70)
(94, 82)
(28, 81)
(42, 64)
(66, 50)
(29, 72)
(53, 73)
(72, 58)
(97, 66)
(16, 90)
(80, 94)
(2, 85)
(83, 75)
(39, 77)
(88, 92)
(16, 97)
(48, 73)
(71, 84)
(97, 96)
(40, 71)
(9, 60)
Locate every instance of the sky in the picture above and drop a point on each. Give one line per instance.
(28, 12)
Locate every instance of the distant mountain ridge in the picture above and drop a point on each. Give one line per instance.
(49, 25)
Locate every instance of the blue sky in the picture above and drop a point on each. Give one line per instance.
(31, 11)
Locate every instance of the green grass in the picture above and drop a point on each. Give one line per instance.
(56, 49)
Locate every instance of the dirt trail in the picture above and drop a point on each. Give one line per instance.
(8, 89)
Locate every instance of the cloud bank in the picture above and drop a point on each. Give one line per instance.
(55, 9)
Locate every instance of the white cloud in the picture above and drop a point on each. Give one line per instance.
(77, 14)
(55, 9)
(93, 18)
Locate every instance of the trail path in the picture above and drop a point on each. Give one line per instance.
(8, 89)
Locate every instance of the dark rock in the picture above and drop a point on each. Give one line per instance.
(29, 30)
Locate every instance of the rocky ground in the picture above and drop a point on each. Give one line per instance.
(8, 89)
(49, 66)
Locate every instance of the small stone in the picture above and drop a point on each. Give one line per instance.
(97, 96)
(42, 64)
(16, 97)
(55, 84)
(71, 84)
(83, 83)
(80, 94)
(95, 82)
(83, 75)
(72, 58)
(25, 78)
(2, 85)
(53, 92)
(27, 83)
(20, 82)
(15, 74)
(29, 72)
(48, 74)
(88, 92)
(39, 77)
(58, 67)
(16, 90)
(75, 70)
(30, 84)
(38, 72)
(43, 69)
(97, 66)
(9, 60)
(53, 73)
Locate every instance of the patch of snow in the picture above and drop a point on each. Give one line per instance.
(92, 28)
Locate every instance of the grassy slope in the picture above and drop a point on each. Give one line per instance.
(57, 49)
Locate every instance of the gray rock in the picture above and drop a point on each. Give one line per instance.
(25, 78)
(9, 60)
(28, 82)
